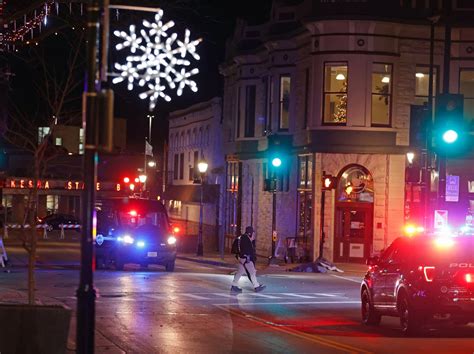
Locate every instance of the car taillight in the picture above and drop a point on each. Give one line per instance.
(428, 272)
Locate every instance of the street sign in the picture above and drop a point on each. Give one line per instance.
(452, 188)
(440, 219)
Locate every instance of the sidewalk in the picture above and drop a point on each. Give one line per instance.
(228, 260)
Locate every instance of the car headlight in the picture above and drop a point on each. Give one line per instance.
(126, 239)
(171, 240)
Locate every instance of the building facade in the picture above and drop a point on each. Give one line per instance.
(195, 134)
(337, 89)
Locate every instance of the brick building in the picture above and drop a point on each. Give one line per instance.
(337, 81)
(195, 134)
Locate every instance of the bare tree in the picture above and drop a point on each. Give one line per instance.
(55, 98)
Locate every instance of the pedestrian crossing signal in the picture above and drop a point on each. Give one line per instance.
(329, 182)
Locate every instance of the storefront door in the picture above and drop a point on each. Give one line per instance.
(353, 237)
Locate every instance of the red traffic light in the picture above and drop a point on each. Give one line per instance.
(126, 179)
(329, 182)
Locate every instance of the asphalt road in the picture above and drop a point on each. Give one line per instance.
(192, 311)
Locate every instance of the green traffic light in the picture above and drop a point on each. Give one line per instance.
(276, 162)
(450, 136)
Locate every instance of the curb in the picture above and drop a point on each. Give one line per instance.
(206, 261)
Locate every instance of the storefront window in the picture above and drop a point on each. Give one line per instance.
(356, 185)
(422, 82)
(52, 203)
(232, 197)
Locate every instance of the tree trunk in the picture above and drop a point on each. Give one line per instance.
(33, 211)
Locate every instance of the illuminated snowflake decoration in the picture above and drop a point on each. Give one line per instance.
(157, 60)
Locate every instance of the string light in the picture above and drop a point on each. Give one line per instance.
(29, 26)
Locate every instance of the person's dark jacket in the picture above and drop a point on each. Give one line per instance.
(247, 248)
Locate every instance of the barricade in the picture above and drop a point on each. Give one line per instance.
(3, 254)
(67, 226)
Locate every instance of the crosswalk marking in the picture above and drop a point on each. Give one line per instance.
(196, 296)
(263, 295)
(300, 296)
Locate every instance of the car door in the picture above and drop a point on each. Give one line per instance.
(378, 278)
(392, 272)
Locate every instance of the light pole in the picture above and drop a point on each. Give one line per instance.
(276, 163)
(150, 118)
(202, 167)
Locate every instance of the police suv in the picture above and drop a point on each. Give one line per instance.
(133, 230)
(422, 280)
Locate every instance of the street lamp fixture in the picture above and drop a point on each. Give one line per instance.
(151, 163)
(202, 167)
(410, 157)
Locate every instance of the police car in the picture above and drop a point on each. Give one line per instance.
(423, 280)
(134, 231)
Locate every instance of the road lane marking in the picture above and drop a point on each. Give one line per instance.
(325, 295)
(300, 296)
(196, 296)
(225, 295)
(313, 338)
(348, 279)
(262, 295)
(292, 303)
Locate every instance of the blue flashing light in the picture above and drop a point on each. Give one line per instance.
(140, 244)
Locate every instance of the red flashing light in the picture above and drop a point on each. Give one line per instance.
(176, 229)
(469, 278)
(133, 212)
(137, 180)
(126, 180)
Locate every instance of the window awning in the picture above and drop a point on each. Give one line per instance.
(192, 193)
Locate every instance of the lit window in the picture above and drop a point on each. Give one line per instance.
(58, 141)
(381, 94)
(42, 133)
(466, 87)
(335, 93)
(422, 74)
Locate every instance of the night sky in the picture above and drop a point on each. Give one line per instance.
(211, 20)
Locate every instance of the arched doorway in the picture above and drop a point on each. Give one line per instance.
(354, 214)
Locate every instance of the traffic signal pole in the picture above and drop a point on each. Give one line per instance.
(86, 293)
(446, 68)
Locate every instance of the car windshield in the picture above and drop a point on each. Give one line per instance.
(153, 223)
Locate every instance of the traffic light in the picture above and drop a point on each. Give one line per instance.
(278, 151)
(329, 182)
(451, 133)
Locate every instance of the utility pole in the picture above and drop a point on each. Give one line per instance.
(86, 293)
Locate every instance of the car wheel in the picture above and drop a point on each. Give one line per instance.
(369, 314)
(409, 321)
(170, 266)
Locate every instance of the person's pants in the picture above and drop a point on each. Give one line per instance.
(248, 268)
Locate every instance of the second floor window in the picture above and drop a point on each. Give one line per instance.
(176, 166)
(181, 165)
(466, 87)
(249, 111)
(285, 84)
(305, 168)
(422, 77)
(335, 93)
(381, 94)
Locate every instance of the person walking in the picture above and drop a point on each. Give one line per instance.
(246, 259)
